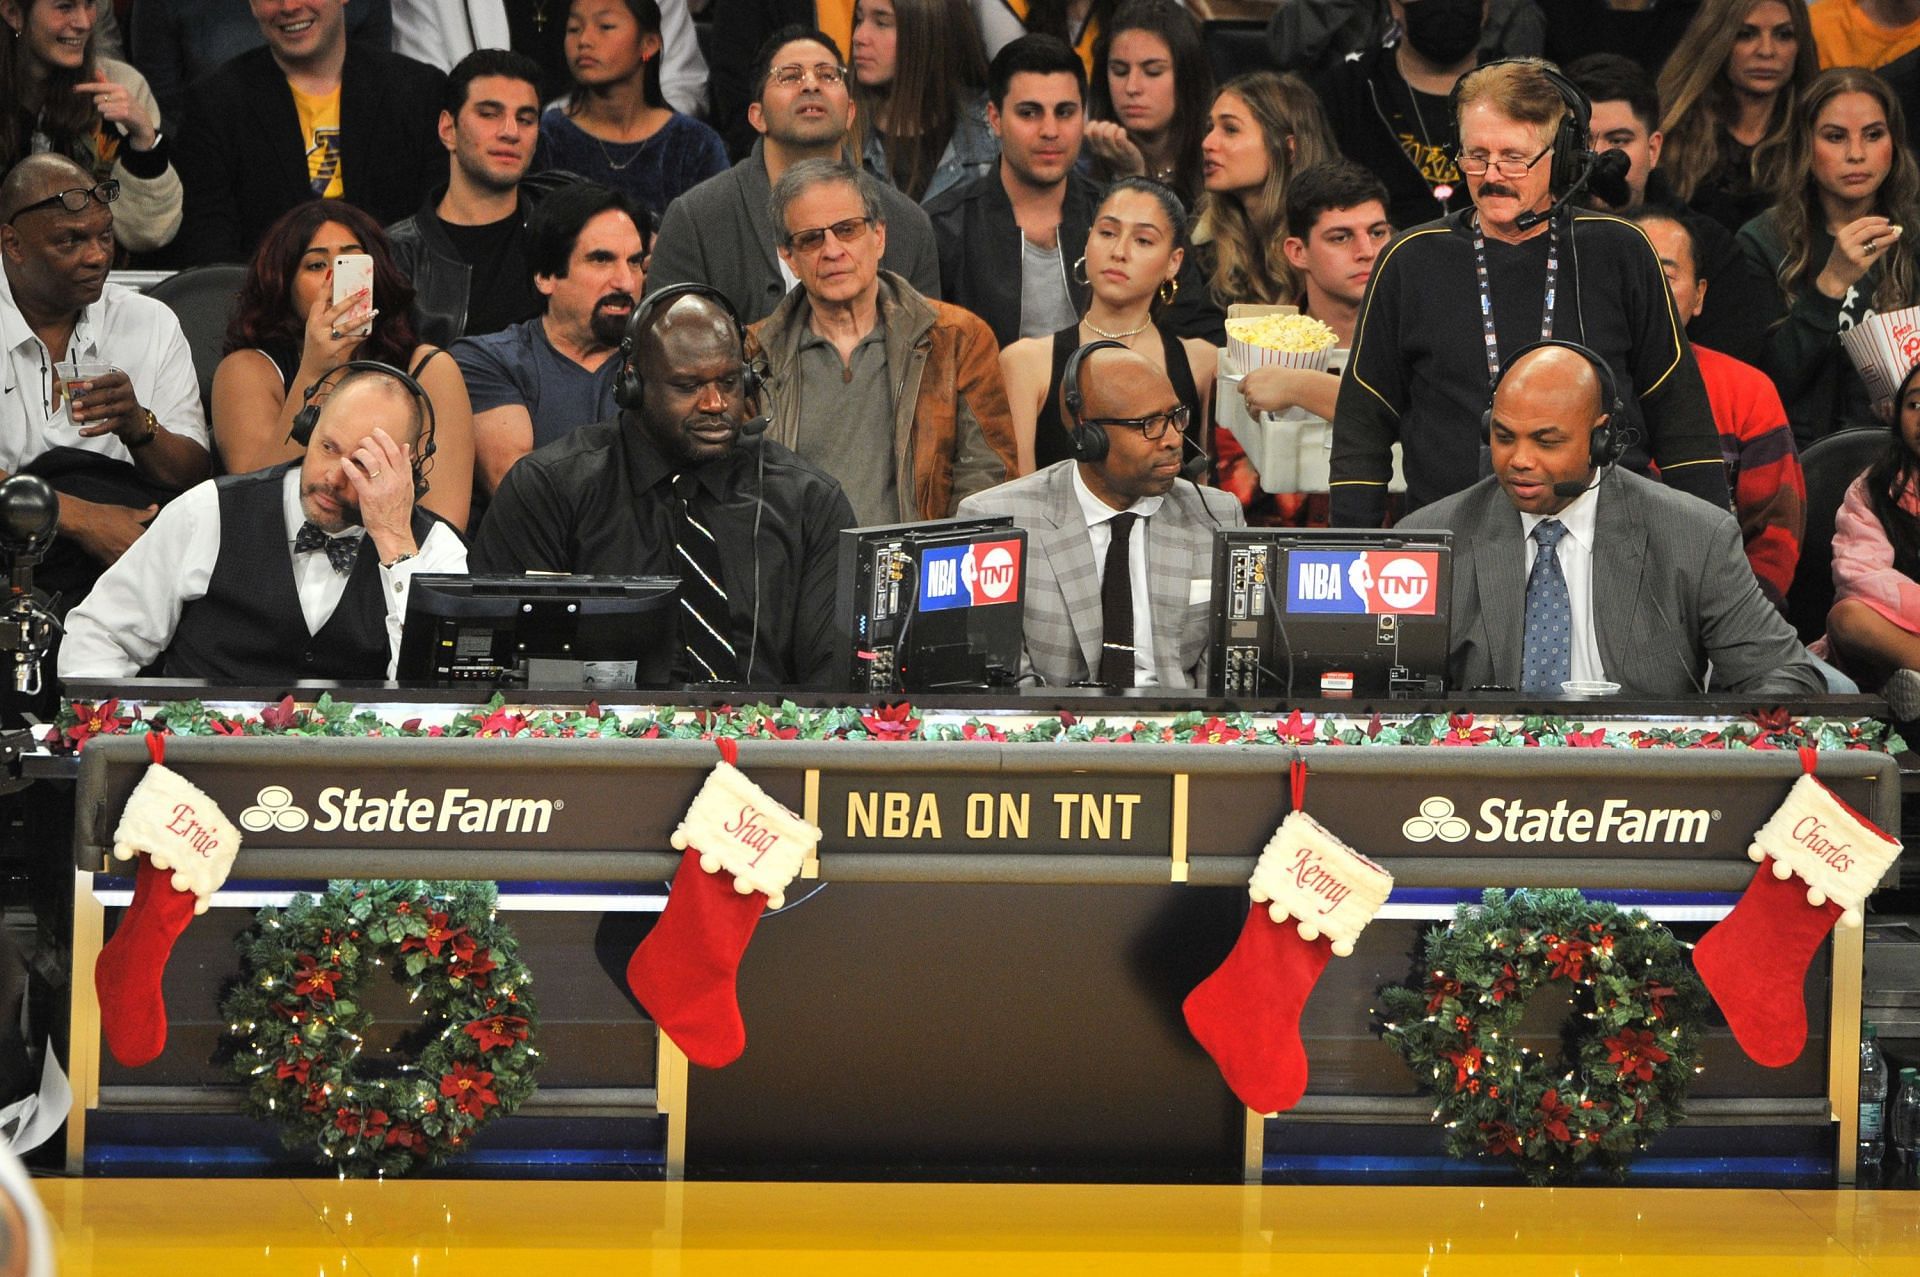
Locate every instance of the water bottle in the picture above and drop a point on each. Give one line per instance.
(1873, 1105)
(1904, 1124)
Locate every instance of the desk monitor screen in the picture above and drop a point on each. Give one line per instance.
(1344, 612)
(931, 606)
(540, 632)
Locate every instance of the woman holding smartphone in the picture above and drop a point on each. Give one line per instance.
(289, 330)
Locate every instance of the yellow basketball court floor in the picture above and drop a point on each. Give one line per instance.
(423, 1228)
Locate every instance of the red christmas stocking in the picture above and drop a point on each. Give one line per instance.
(1754, 961)
(1247, 1013)
(743, 849)
(186, 846)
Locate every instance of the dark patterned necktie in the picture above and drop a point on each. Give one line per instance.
(1546, 659)
(706, 629)
(341, 550)
(1116, 606)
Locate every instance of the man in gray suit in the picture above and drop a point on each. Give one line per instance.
(1568, 567)
(721, 232)
(1119, 559)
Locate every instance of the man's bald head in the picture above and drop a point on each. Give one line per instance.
(1119, 385)
(689, 356)
(1544, 414)
(36, 178)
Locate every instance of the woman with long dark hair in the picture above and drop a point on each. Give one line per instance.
(1727, 101)
(58, 94)
(1151, 86)
(1134, 251)
(1873, 629)
(287, 333)
(1264, 128)
(616, 127)
(1833, 244)
(920, 79)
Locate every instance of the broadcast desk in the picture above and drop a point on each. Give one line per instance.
(984, 980)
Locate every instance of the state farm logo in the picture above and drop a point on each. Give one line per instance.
(354, 811)
(1404, 583)
(1512, 820)
(273, 809)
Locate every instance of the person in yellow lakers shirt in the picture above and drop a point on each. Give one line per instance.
(1864, 33)
(312, 114)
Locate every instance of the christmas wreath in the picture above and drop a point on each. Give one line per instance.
(298, 1024)
(1628, 1048)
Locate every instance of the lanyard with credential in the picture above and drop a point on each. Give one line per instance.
(1486, 294)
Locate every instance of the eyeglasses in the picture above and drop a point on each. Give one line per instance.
(74, 200)
(1477, 165)
(846, 232)
(824, 74)
(1153, 426)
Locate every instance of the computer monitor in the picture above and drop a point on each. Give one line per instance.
(1307, 612)
(927, 607)
(540, 632)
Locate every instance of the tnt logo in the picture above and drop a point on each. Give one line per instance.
(1362, 582)
(1405, 585)
(273, 809)
(969, 575)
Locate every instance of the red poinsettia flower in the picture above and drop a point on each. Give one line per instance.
(347, 1120)
(1657, 995)
(1554, 1115)
(1506, 984)
(1461, 731)
(295, 1069)
(1215, 731)
(1595, 739)
(311, 980)
(91, 720)
(1297, 730)
(1374, 725)
(1440, 990)
(406, 1135)
(1500, 1137)
(891, 722)
(282, 716)
(1569, 958)
(464, 945)
(1634, 1052)
(1772, 721)
(221, 725)
(438, 936)
(502, 722)
(470, 1089)
(1465, 1064)
(981, 731)
(473, 968)
(496, 1031)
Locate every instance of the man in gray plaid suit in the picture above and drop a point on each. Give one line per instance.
(1119, 555)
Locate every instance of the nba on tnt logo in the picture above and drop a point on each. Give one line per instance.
(976, 575)
(1363, 582)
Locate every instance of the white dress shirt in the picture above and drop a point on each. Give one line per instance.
(1575, 554)
(1099, 515)
(130, 616)
(135, 334)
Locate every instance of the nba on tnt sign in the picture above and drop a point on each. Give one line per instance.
(1404, 582)
(970, 575)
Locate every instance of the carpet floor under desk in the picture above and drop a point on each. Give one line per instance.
(218, 1228)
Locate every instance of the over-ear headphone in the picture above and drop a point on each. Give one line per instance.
(629, 386)
(1571, 154)
(1090, 443)
(1607, 442)
(301, 432)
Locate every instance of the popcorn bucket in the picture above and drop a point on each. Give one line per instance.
(1884, 348)
(1247, 356)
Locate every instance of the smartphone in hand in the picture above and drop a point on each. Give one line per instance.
(351, 273)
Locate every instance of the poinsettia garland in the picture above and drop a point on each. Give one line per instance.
(297, 1023)
(80, 721)
(1628, 1047)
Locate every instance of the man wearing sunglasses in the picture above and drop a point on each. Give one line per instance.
(1451, 301)
(116, 443)
(897, 397)
(719, 233)
(1119, 551)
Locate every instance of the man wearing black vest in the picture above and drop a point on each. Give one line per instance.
(289, 572)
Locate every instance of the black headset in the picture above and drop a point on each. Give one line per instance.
(1608, 442)
(1090, 443)
(630, 387)
(1571, 154)
(301, 432)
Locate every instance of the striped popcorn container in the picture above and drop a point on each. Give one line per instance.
(1884, 348)
(1285, 340)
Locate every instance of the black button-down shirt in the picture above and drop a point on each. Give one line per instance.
(600, 501)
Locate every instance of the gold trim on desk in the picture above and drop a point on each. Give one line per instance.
(670, 1101)
(1179, 819)
(1843, 1047)
(83, 1018)
(1253, 1148)
(810, 809)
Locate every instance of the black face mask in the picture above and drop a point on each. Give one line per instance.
(1443, 31)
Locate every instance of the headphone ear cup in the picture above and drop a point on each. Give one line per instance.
(628, 386)
(1090, 444)
(301, 431)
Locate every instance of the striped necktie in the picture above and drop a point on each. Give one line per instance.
(706, 629)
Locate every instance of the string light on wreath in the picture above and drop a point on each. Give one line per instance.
(1631, 1041)
(297, 1030)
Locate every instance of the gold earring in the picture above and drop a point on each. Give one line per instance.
(1169, 291)
(1080, 271)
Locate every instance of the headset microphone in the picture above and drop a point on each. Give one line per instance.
(756, 426)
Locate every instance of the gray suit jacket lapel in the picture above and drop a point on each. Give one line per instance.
(1619, 562)
(1176, 554)
(1069, 551)
(1499, 570)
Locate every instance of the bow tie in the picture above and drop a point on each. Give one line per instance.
(341, 550)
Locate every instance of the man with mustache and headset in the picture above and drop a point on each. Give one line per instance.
(1451, 301)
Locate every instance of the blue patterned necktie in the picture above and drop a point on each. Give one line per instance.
(1546, 658)
(341, 550)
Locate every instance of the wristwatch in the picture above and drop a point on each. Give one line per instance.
(148, 435)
